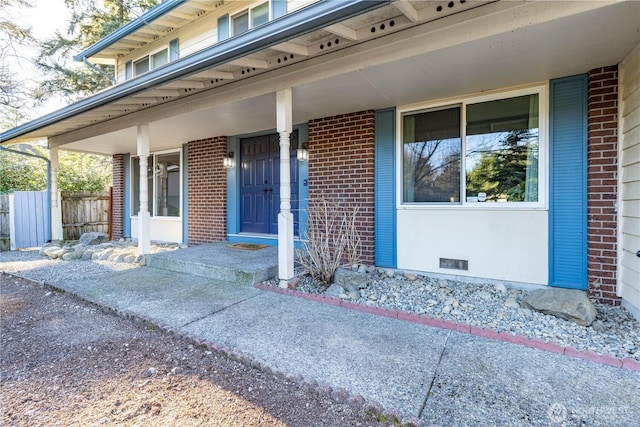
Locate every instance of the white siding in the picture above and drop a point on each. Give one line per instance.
(195, 36)
(629, 212)
(293, 5)
(509, 245)
(164, 229)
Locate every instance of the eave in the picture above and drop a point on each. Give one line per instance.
(278, 31)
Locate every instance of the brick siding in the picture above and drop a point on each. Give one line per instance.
(341, 167)
(207, 190)
(117, 201)
(602, 180)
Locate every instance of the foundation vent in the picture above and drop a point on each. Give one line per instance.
(454, 264)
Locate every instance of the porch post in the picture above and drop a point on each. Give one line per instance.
(144, 242)
(56, 212)
(285, 217)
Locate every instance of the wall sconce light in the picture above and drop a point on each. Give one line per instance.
(228, 161)
(302, 153)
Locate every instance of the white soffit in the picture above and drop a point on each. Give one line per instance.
(448, 57)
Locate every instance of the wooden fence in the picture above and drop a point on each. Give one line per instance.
(83, 212)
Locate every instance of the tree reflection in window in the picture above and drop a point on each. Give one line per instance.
(432, 156)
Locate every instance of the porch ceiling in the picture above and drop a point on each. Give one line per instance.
(425, 55)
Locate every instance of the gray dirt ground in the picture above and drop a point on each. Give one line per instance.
(64, 362)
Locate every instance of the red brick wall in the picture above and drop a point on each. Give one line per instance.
(117, 201)
(602, 181)
(341, 166)
(207, 190)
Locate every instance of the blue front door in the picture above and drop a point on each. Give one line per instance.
(260, 183)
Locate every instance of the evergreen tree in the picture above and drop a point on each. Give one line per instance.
(91, 20)
(14, 92)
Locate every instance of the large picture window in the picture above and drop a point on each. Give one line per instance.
(163, 184)
(473, 152)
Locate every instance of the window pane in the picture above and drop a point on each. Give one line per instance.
(167, 194)
(241, 23)
(159, 58)
(135, 185)
(431, 150)
(502, 150)
(141, 66)
(260, 15)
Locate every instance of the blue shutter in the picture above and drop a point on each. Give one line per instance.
(174, 50)
(385, 188)
(126, 231)
(278, 8)
(568, 183)
(223, 28)
(128, 70)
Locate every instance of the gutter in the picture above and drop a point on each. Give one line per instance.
(287, 27)
(133, 26)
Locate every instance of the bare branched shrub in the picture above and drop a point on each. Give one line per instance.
(331, 238)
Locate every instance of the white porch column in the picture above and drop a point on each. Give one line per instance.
(56, 210)
(144, 239)
(285, 217)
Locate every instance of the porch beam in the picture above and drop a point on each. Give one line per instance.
(144, 227)
(285, 217)
(407, 9)
(294, 48)
(213, 74)
(249, 62)
(342, 31)
(184, 84)
(181, 15)
(137, 100)
(138, 38)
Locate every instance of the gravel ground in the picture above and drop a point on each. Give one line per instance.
(615, 331)
(64, 362)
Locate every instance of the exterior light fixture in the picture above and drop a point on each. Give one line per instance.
(302, 153)
(229, 161)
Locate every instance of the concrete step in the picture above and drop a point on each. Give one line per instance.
(218, 261)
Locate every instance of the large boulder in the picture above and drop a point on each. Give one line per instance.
(568, 304)
(350, 280)
(93, 238)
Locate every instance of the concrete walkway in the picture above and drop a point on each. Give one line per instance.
(433, 375)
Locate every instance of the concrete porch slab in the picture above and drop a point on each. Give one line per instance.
(221, 262)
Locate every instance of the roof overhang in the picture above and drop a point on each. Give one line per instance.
(130, 29)
(228, 89)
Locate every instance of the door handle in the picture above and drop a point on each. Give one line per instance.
(638, 254)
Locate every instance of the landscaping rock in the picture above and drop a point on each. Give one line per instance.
(511, 303)
(350, 280)
(410, 277)
(568, 304)
(334, 291)
(49, 246)
(93, 238)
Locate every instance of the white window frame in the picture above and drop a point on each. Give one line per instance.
(152, 199)
(148, 56)
(249, 12)
(540, 89)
